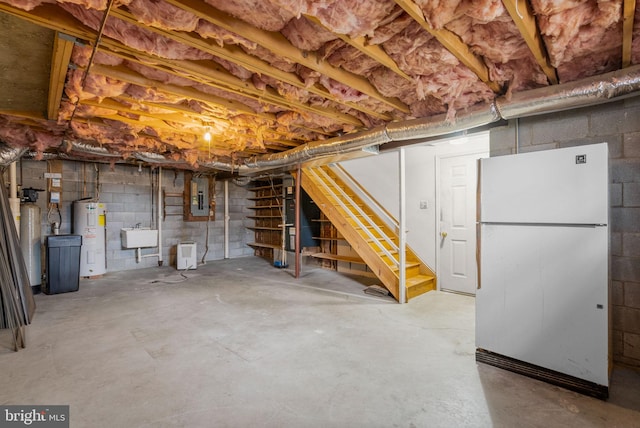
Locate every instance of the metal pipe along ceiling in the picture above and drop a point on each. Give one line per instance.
(591, 91)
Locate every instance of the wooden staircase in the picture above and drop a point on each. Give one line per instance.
(375, 241)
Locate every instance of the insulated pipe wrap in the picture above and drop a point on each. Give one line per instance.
(9, 155)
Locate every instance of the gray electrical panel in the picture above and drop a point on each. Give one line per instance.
(199, 197)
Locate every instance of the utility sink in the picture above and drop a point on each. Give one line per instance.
(134, 237)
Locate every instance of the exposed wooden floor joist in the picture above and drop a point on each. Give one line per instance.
(524, 19)
(628, 14)
(279, 45)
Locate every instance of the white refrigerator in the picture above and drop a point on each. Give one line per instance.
(542, 301)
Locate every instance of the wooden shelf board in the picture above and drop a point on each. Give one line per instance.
(338, 258)
(275, 186)
(260, 198)
(262, 245)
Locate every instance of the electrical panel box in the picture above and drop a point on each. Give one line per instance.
(199, 197)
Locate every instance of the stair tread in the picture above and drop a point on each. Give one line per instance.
(417, 280)
(407, 265)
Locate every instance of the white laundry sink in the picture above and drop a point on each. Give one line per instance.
(138, 237)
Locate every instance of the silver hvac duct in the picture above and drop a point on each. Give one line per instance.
(9, 155)
(222, 166)
(78, 147)
(612, 86)
(159, 159)
(40, 156)
(333, 146)
(439, 125)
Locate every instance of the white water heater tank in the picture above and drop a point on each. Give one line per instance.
(89, 220)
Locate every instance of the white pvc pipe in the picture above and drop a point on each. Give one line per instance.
(226, 219)
(402, 235)
(159, 217)
(14, 201)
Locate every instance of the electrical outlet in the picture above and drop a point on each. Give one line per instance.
(424, 205)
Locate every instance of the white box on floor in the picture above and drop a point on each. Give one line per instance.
(187, 256)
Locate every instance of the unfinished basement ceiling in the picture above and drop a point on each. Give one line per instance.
(268, 76)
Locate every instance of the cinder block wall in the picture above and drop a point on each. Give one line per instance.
(128, 197)
(618, 124)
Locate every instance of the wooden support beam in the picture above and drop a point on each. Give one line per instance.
(279, 45)
(629, 13)
(452, 43)
(31, 115)
(127, 75)
(179, 108)
(212, 74)
(62, 47)
(51, 16)
(99, 121)
(215, 75)
(523, 17)
(373, 51)
(159, 121)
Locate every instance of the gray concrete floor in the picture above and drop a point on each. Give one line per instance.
(238, 343)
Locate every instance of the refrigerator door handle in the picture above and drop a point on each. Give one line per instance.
(479, 192)
(478, 254)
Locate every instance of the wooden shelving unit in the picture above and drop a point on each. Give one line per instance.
(335, 253)
(268, 212)
(172, 204)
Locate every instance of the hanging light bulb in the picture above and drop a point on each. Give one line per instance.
(207, 135)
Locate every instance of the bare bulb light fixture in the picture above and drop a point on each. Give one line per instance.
(207, 138)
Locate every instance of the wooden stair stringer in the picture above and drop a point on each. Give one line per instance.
(368, 254)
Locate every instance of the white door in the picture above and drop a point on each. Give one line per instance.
(457, 225)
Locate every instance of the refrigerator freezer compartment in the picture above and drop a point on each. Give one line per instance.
(557, 186)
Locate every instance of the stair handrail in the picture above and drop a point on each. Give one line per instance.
(375, 239)
(387, 217)
(392, 221)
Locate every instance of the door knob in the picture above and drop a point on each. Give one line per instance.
(443, 234)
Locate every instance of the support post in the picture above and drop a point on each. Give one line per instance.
(297, 205)
(226, 219)
(159, 217)
(402, 271)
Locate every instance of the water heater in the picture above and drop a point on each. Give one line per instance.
(30, 243)
(89, 220)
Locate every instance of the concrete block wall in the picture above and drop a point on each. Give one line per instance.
(618, 124)
(127, 194)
